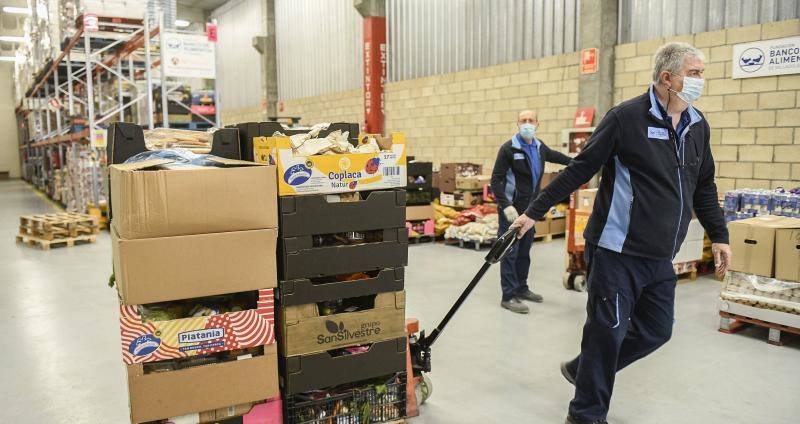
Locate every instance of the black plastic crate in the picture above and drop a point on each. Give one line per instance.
(299, 258)
(303, 290)
(316, 214)
(321, 370)
(353, 406)
(418, 197)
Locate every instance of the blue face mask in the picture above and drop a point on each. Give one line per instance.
(527, 131)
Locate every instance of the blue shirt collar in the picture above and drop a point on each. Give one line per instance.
(658, 111)
(517, 141)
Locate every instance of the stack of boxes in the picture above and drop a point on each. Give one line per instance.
(194, 262)
(765, 271)
(419, 195)
(341, 318)
(747, 203)
(461, 185)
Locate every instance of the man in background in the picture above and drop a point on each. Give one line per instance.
(516, 178)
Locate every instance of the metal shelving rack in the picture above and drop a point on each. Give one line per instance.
(90, 84)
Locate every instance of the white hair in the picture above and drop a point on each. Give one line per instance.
(670, 57)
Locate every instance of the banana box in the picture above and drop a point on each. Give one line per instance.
(336, 173)
(148, 341)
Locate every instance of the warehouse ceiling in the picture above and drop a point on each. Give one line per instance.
(207, 5)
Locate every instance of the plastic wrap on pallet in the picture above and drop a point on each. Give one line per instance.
(763, 292)
(481, 230)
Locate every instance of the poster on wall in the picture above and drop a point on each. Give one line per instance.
(189, 56)
(780, 56)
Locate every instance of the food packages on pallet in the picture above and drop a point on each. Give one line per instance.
(747, 203)
(169, 138)
(479, 224)
(762, 292)
(312, 165)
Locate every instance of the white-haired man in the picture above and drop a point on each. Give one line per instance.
(657, 168)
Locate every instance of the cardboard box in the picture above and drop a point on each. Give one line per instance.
(461, 199)
(302, 291)
(753, 243)
(184, 267)
(547, 178)
(473, 183)
(690, 250)
(695, 231)
(447, 184)
(585, 199)
(151, 202)
(308, 372)
(419, 213)
(542, 227)
(581, 220)
(459, 169)
(181, 338)
(300, 259)
(324, 174)
(787, 254)
(305, 332)
(162, 395)
(269, 412)
(558, 225)
(328, 214)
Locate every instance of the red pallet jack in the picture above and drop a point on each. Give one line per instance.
(418, 362)
(575, 275)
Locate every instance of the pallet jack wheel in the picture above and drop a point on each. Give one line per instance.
(579, 283)
(567, 280)
(424, 389)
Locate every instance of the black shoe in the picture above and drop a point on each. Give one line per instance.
(530, 296)
(571, 420)
(565, 372)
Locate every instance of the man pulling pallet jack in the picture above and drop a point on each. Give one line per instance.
(657, 169)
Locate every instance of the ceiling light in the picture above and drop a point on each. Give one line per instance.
(17, 10)
(182, 23)
(8, 59)
(11, 38)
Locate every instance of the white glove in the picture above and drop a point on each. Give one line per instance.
(511, 213)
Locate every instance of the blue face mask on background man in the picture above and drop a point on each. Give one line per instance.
(527, 131)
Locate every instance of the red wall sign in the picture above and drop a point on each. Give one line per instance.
(589, 61)
(211, 32)
(374, 73)
(583, 117)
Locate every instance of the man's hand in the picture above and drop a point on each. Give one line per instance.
(722, 257)
(524, 223)
(511, 213)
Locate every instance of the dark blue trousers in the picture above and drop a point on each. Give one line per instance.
(516, 264)
(630, 314)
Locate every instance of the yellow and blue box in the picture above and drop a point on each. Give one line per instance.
(337, 173)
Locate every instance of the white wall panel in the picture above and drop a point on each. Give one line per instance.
(319, 47)
(238, 63)
(639, 22)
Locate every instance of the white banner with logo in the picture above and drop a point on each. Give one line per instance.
(188, 55)
(780, 56)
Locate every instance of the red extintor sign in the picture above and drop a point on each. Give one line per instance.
(589, 61)
(375, 57)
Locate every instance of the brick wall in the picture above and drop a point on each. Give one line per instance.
(464, 116)
(755, 122)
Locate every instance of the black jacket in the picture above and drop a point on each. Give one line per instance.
(512, 182)
(652, 180)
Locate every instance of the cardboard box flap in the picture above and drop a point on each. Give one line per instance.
(141, 165)
(233, 162)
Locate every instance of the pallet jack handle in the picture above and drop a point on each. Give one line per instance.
(499, 249)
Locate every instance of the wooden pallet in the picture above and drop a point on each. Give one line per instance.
(47, 244)
(732, 323)
(686, 272)
(425, 238)
(53, 226)
(469, 244)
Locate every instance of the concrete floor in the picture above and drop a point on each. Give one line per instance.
(62, 365)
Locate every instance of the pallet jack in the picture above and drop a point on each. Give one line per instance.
(418, 363)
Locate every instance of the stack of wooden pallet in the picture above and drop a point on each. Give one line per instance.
(57, 229)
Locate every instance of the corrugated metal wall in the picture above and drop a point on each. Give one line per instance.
(435, 37)
(238, 63)
(642, 20)
(319, 47)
